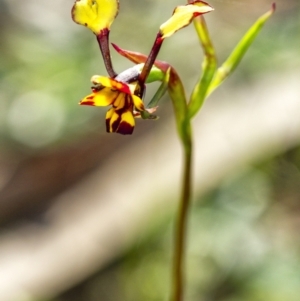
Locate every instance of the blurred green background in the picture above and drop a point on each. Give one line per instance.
(244, 229)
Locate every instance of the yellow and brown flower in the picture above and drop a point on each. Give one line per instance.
(108, 91)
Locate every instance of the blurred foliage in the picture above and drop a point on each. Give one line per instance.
(41, 84)
(243, 244)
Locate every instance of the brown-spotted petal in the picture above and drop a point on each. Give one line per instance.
(127, 123)
(121, 122)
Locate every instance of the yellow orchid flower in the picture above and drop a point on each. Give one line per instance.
(108, 91)
(183, 16)
(97, 15)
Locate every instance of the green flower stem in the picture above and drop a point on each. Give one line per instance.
(181, 223)
(197, 98)
(209, 66)
(211, 78)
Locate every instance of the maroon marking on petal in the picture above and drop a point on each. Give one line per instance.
(116, 124)
(107, 121)
(73, 12)
(197, 1)
(97, 88)
(128, 101)
(125, 89)
(124, 109)
(87, 103)
(125, 128)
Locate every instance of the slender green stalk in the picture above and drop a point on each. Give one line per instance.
(209, 66)
(210, 79)
(181, 223)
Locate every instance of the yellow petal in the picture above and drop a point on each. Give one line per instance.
(112, 120)
(138, 103)
(100, 98)
(120, 101)
(127, 124)
(108, 117)
(122, 123)
(183, 16)
(88, 100)
(95, 14)
(111, 83)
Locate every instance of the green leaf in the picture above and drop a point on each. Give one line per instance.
(161, 90)
(209, 66)
(238, 53)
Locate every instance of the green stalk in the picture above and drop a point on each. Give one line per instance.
(209, 66)
(182, 218)
(196, 101)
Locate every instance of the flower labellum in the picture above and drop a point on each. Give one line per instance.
(108, 91)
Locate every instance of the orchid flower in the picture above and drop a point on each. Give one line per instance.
(108, 91)
(124, 92)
